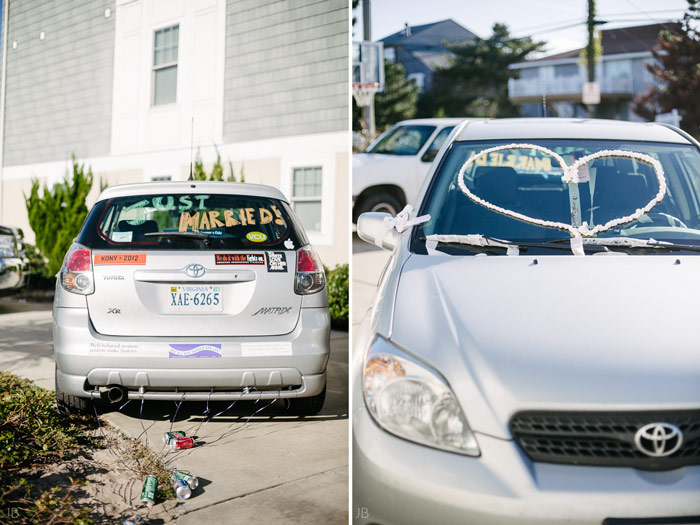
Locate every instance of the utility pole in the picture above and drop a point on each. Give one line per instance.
(590, 48)
(368, 111)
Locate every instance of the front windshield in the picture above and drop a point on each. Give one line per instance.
(402, 140)
(529, 182)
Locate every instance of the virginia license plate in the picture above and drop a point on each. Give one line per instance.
(195, 298)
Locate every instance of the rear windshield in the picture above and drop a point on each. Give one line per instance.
(187, 221)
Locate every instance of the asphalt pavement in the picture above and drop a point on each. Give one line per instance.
(255, 462)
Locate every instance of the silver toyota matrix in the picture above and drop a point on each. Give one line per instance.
(194, 291)
(533, 352)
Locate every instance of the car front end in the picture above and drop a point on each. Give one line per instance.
(13, 267)
(511, 374)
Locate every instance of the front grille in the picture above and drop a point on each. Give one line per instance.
(603, 438)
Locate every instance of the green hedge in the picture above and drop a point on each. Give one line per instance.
(338, 302)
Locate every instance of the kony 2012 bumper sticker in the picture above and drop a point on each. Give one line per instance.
(276, 262)
(239, 258)
(102, 259)
(194, 350)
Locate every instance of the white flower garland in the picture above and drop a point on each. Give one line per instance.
(570, 176)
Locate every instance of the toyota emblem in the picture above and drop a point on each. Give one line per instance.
(658, 439)
(195, 270)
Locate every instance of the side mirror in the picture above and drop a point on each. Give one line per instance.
(370, 225)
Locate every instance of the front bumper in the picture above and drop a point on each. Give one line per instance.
(396, 481)
(86, 360)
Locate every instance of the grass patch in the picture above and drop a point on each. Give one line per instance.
(32, 433)
(38, 446)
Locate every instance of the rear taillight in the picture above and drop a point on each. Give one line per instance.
(309, 277)
(76, 274)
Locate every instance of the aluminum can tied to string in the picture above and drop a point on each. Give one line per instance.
(148, 492)
(172, 435)
(192, 481)
(181, 443)
(182, 489)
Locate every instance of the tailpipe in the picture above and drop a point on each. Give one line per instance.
(114, 394)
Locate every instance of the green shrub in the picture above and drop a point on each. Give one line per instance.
(38, 265)
(56, 215)
(217, 170)
(30, 426)
(338, 302)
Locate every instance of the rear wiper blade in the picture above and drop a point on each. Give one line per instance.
(180, 235)
(631, 242)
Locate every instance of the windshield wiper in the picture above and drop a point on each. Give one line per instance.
(474, 242)
(195, 236)
(630, 243)
(483, 244)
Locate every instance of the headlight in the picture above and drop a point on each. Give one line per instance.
(413, 402)
(7, 246)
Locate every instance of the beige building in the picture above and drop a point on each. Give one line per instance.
(127, 85)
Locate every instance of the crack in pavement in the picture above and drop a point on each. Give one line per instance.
(265, 488)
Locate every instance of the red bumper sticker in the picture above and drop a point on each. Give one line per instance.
(239, 258)
(119, 258)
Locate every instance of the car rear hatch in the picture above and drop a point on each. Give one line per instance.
(192, 265)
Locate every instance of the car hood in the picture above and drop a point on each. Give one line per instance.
(555, 332)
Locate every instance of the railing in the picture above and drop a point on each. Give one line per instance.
(569, 85)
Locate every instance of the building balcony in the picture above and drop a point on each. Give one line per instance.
(567, 88)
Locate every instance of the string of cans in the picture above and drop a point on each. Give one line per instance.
(183, 483)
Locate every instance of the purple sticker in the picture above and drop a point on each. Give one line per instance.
(196, 350)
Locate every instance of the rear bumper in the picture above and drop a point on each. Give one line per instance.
(238, 368)
(12, 276)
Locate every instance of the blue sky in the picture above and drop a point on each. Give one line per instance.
(539, 18)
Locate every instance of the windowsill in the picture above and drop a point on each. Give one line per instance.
(163, 107)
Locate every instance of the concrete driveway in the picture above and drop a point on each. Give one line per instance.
(255, 462)
(368, 261)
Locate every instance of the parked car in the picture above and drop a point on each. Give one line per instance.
(13, 263)
(532, 352)
(191, 291)
(389, 173)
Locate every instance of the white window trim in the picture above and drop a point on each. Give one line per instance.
(155, 68)
(327, 165)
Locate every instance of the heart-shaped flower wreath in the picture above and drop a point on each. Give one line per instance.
(570, 175)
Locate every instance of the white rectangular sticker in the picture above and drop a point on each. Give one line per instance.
(265, 349)
(122, 236)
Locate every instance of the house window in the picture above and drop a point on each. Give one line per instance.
(419, 79)
(306, 196)
(165, 43)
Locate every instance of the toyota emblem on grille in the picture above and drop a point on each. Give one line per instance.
(658, 439)
(195, 270)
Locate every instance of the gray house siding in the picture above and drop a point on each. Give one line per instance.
(286, 68)
(58, 90)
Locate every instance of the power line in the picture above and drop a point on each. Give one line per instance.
(575, 21)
